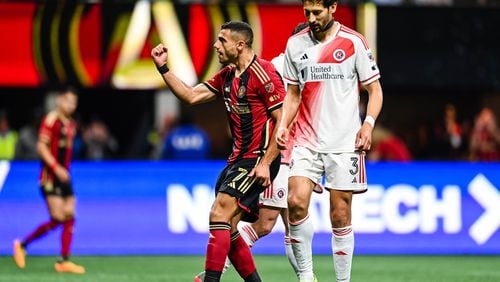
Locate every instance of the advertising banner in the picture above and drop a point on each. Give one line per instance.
(162, 208)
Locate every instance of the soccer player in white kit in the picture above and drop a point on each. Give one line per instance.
(324, 64)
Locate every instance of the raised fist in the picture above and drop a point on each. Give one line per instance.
(159, 55)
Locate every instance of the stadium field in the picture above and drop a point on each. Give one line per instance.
(271, 268)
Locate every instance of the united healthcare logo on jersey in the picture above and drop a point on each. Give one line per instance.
(320, 72)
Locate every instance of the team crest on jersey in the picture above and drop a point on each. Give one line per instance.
(242, 91)
(280, 193)
(269, 87)
(339, 55)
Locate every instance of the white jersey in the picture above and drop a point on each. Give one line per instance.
(328, 75)
(279, 62)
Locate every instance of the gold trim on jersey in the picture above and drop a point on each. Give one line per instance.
(260, 72)
(266, 133)
(51, 118)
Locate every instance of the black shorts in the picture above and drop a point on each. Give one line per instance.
(233, 180)
(57, 189)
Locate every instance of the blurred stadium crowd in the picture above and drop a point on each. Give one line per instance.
(451, 136)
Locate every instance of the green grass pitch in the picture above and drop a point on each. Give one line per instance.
(271, 269)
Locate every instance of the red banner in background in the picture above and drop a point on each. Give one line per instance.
(89, 43)
(278, 22)
(17, 64)
(54, 43)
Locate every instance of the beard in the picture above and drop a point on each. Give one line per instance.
(317, 28)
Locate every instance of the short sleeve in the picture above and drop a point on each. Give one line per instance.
(366, 66)
(45, 130)
(273, 90)
(216, 83)
(290, 73)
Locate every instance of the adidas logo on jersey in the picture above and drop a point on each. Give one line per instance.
(304, 57)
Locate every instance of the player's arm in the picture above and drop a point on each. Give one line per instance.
(43, 149)
(188, 94)
(375, 100)
(290, 108)
(261, 171)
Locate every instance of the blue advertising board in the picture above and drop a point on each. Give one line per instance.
(162, 208)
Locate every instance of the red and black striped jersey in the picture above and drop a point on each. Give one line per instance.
(249, 99)
(59, 134)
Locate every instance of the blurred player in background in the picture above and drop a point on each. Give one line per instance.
(55, 142)
(253, 94)
(323, 66)
(273, 201)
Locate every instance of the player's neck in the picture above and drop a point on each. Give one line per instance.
(243, 62)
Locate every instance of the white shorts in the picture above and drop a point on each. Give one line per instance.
(342, 171)
(277, 193)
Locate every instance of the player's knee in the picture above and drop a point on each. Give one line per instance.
(57, 217)
(340, 217)
(215, 215)
(296, 204)
(265, 228)
(297, 213)
(69, 216)
(219, 214)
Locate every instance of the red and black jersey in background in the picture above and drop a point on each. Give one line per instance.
(249, 100)
(59, 133)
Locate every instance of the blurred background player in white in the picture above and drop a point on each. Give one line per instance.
(323, 66)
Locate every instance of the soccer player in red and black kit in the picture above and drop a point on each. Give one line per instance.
(253, 95)
(55, 143)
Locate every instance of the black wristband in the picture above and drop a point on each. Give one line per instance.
(163, 69)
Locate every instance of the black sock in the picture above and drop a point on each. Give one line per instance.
(254, 277)
(62, 259)
(212, 276)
